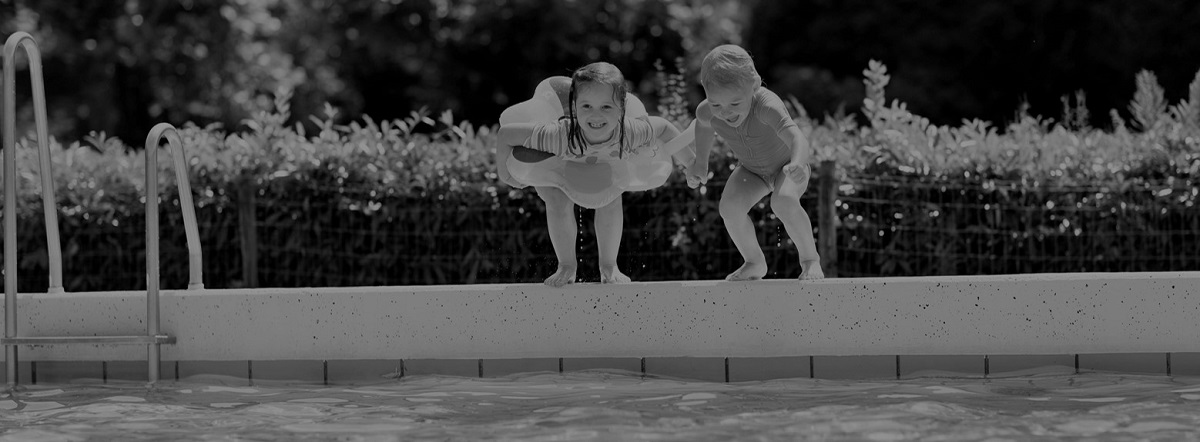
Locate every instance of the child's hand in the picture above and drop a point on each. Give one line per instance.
(797, 172)
(697, 175)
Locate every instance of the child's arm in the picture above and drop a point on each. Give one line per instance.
(795, 169)
(649, 136)
(544, 137)
(516, 134)
(697, 173)
(682, 148)
(774, 114)
(664, 131)
(672, 141)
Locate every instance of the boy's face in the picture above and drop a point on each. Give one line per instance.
(730, 104)
(597, 111)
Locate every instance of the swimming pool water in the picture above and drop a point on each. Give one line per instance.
(615, 405)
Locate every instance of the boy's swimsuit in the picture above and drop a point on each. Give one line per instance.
(757, 143)
(599, 174)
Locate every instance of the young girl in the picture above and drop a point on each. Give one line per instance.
(772, 154)
(604, 146)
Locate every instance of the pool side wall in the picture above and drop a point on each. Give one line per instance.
(953, 317)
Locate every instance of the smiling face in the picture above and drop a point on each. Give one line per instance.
(597, 111)
(730, 104)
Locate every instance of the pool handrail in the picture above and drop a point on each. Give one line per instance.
(153, 337)
(195, 278)
(49, 203)
(25, 41)
(190, 225)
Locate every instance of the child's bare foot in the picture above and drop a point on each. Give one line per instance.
(613, 275)
(565, 275)
(748, 272)
(811, 270)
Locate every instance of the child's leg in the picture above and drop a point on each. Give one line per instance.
(560, 221)
(743, 190)
(610, 220)
(785, 202)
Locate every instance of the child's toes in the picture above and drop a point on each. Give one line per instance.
(614, 277)
(812, 270)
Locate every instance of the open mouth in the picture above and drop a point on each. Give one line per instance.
(596, 124)
(733, 120)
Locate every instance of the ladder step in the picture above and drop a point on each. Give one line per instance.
(43, 340)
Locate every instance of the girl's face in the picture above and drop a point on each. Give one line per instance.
(598, 114)
(730, 104)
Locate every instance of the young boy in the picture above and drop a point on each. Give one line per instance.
(772, 154)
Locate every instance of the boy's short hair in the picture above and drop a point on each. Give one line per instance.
(727, 66)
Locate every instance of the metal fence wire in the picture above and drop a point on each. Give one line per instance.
(308, 235)
(914, 226)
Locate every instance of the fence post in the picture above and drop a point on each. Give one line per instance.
(247, 207)
(827, 188)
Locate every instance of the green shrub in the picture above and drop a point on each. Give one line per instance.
(416, 200)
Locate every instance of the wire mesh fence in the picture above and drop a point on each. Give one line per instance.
(307, 235)
(914, 226)
(453, 241)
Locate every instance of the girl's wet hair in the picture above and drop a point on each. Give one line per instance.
(595, 73)
(729, 66)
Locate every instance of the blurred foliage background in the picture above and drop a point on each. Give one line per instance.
(118, 66)
(354, 139)
(415, 200)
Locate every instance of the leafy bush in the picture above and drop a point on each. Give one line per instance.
(416, 200)
(1031, 148)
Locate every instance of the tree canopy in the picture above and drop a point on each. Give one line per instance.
(119, 66)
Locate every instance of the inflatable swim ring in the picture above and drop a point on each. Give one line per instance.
(588, 184)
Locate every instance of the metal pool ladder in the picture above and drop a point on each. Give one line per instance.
(153, 337)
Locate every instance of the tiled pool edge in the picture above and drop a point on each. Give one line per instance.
(367, 371)
(1106, 319)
